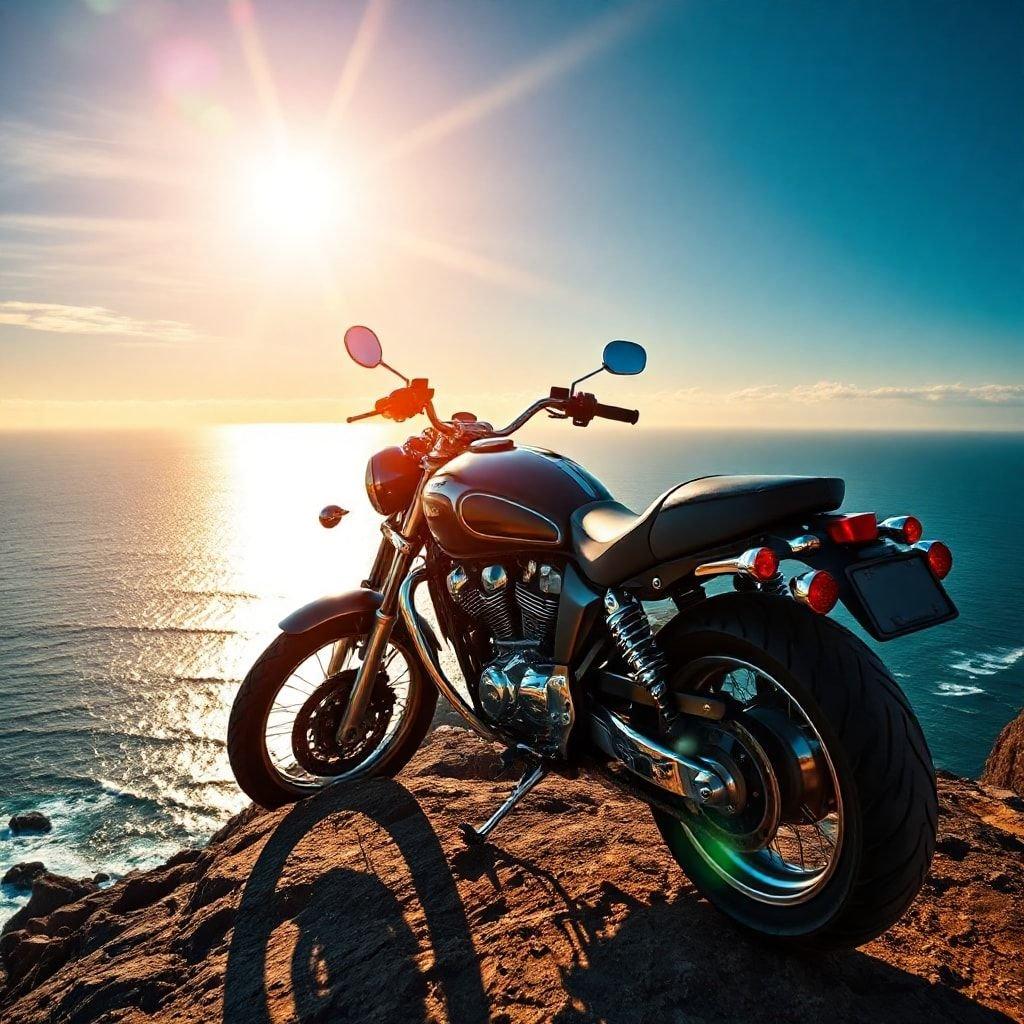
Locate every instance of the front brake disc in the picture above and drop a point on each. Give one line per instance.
(314, 732)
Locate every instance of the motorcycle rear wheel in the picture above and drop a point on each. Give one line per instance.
(882, 805)
(260, 729)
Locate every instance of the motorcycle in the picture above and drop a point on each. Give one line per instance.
(784, 767)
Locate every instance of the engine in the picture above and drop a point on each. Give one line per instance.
(520, 688)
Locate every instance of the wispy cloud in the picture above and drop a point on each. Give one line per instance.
(56, 318)
(833, 391)
(34, 153)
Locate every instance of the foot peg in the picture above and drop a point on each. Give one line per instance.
(534, 773)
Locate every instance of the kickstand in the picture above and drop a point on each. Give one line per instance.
(477, 836)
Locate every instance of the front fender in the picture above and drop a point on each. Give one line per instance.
(362, 602)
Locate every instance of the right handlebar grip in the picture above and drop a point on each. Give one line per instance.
(616, 412)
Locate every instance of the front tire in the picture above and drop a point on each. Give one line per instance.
(270, 783)
(876, 753)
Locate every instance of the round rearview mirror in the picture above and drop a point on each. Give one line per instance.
(364, 348)
(624, 358)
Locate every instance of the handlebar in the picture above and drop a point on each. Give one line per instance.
(617, 413)
(417, 396)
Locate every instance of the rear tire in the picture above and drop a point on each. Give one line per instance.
(247, 750)
(878, 754)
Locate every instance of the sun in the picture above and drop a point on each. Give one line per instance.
(293, 195)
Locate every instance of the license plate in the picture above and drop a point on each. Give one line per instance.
(900, 595)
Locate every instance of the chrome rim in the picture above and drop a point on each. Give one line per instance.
(801, 855)
(304, 680)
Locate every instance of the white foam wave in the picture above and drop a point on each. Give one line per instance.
(988, 663)
(957, 690)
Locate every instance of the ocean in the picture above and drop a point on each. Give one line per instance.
(141, 574)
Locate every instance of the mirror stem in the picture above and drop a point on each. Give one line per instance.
(580, 380)
(401, 376)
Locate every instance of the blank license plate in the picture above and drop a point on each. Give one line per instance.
(901, 595)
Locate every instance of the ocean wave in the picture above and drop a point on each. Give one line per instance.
(78, 628)
(987, 663)
(957, 690)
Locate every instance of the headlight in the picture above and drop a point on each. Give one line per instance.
(391, 479)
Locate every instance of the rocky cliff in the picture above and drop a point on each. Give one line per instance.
(1005, 764)
(363, 905)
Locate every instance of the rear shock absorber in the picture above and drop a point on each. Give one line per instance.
(631, 630)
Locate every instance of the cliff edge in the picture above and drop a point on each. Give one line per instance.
(1004, 766)
(362, 904)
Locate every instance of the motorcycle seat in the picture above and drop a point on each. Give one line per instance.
(613, 543)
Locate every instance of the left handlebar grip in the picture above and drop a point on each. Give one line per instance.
(362, 416)
(616, 412)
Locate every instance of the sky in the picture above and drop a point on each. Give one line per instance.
(810, 214)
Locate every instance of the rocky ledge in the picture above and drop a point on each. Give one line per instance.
(363, 905)
(1005, 764)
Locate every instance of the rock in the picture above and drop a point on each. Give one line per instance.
(363, 904)
(28, 822)
(22, 875)
(1005, 764)
(49, 892)
(101, 876)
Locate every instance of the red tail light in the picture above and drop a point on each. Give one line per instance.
(940, 558)
(765, 564)
(907, 529)
(852, 528)
(818, 590)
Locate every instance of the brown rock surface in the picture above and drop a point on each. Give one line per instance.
(1004, 766)
(363, 905)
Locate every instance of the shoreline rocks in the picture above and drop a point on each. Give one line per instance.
(29, 823)
(22, 875)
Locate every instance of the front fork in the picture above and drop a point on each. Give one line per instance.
(406, 545)
(375, 581)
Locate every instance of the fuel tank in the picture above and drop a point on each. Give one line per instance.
(500, 497)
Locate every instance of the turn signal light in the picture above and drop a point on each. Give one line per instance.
(907, 529)
(765, 564)
(940, 558)
(760, 563)
(852, 528)
(818, 590)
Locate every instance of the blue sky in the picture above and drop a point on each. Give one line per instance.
(811, 214)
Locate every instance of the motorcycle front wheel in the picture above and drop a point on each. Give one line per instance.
(282, 730)
(839, 814)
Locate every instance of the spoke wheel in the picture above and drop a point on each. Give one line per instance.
(300, 730)
(784, 845)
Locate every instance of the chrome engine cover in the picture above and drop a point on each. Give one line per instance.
(520, 689)
(529, 698)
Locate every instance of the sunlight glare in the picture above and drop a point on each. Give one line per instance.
(293, 196)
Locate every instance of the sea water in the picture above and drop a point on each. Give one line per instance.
(142, 573)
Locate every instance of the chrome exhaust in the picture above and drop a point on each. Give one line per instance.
(425, 652)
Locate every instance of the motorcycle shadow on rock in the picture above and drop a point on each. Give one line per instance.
(337, 945)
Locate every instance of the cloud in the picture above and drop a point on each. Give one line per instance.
(32, 153)
(931, 394)
(55, 318)
(971, 394)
